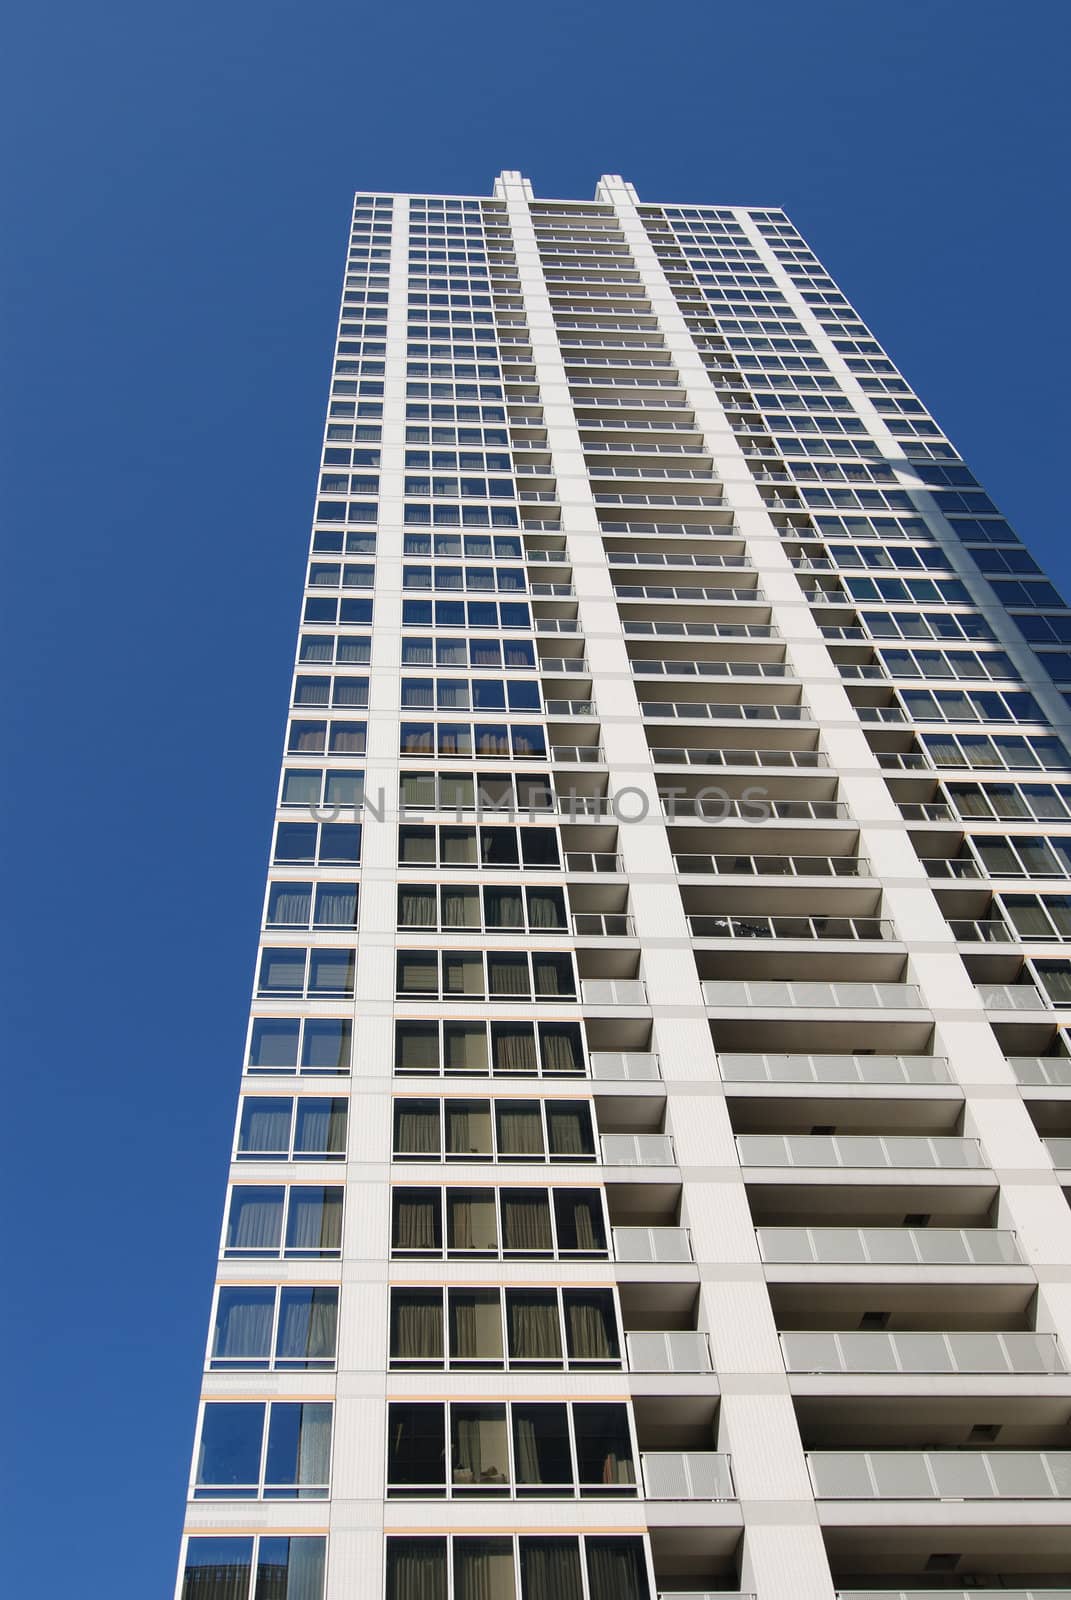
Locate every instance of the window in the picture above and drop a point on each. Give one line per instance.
(312, 1128)
(491, 1222)
(457, 906)
(506, 1567)
(311, 788)
(259, 1327)
(471, 1327)
(525, 742)
(497, 974)
(256, 1450)
(495, 1449)
(312, 843)
(497, 847)
(254, 1568)
(476, 1048)
(330, 905)
(302, 1222)
(314, 1045)
(499, 1130)
(294, 970)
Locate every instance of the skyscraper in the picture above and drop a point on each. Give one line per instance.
(648, 1168)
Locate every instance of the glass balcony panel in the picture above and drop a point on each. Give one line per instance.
(840, 1475)
(901, 1475)
(695, 1475)
(652, 1244)
(961, 1475)
(811, 1352)
(1059, 1152)
(868, 1352)
(637, 1149)
(1052, 1071)
(675, 1351)
(625, 1064)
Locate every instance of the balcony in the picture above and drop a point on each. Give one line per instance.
(889, 1247)
(966, 930)
(677, 1351)
(682, 756)
(613, 992)
(593, 861)
(789, 995)
(637, 1066)
(937, 1594)
(1059, 1153)
(850, 1352)
(780, 927)
(1012, 997)
(686, 1475)
(672, 1245)
(603, 925)
(1052, 1072)
(777, 866)
(719, 809)
(852, 1150)
(940, 1474)
(741, 1068)
(723, 711)
(637, 1150)
(664, 629)
(670, 667)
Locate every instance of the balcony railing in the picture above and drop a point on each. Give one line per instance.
(740, 1068)
(638, 1066)
(1054, 1072)
(667, 558)
(889, 1247)
(569, 708)
(686, 1475)
(941, 1474)
(666, 629)
(577, 753)
(1059, 1152)
(791, 995)
(934, 1594)
(610, 925)
(777, 866)
(684, 1351)
(637, 1150)
(718, 809)
(593, 861)
(1012, 997)
(723, 711)
(668, 667)
(652, 1244)
(779, 927)
(952, 867)
(1006, 1353)
(967, 930)
(858, 1150)
(682, 756)
(613, 992)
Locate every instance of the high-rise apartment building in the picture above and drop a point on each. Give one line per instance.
(648, 1168)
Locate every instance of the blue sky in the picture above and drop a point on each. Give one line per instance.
(175, 204)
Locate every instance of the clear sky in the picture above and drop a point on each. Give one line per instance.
(176, 196)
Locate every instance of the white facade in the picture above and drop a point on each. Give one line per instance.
(653, 1187)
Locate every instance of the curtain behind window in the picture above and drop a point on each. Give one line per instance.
(416, 1569)
(307, 1325)
(534, 1329)
(314, 1444)
(416, 1222)
(514, 1048)
(418, 1330)
(483, 1569)
(256, 1219)
(550, 1569)
(245, 1332)
(616, 1570)
(526, 1222)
